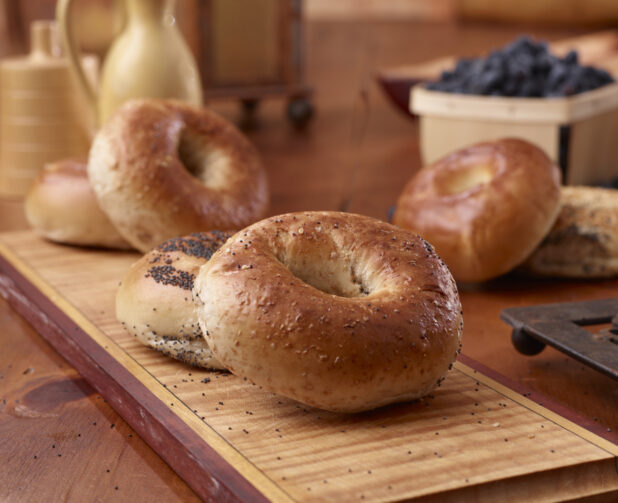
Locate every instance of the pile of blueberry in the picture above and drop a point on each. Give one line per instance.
(524, 68)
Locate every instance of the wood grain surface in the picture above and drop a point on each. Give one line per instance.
(356, 155)
(231, 440)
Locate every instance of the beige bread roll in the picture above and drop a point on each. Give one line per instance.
(61, 207)
(154, 300)
(485, 208)
(162, 169)
(338, 311)
(583, 243)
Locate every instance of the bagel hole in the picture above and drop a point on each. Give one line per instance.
(330, 275)
(207, 164)
(465, 179)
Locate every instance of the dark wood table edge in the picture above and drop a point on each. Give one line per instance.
(179, 446)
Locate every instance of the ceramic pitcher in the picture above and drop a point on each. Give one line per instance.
(43, 116)
(149, 59)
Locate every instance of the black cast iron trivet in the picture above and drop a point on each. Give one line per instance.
(561, 326)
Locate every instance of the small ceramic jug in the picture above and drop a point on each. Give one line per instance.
(43, 116)
(149, 59)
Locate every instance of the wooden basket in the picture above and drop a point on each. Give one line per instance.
(452, 121)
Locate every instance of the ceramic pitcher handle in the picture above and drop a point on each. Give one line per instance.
(64, 19)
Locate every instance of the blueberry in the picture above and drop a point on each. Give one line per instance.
(540, 48)
(569, 88)
(510, 87)
(604, 76)
(520, 46)
(523, 68)
(557, 75)
(542, 64)
(571, 58)
(462, 66)
(486, 82)
(447, 75)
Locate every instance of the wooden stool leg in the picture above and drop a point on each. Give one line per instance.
(299, 111)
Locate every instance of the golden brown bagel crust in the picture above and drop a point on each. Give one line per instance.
(154, 300)
(485, 208)
(338, 311)
(583, 243)
(140, 168)
(61, 207)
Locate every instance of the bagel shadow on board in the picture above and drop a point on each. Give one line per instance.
(93, 249)
(433, 404)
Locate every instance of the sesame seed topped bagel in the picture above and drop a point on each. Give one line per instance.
(154, 300)
(339, 311)
(583, 243)
(162, 169)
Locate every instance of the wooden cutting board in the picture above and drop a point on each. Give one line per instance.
(473, 439)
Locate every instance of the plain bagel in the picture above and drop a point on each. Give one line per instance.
(61, 207)
(485, 208)
(154, 300)
(338, 311)
(162, 169)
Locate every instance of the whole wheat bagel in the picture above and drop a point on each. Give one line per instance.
(154, 300)
(162, 169)
(338, 311)
(485, 208)
(61, 207)
(583, 243)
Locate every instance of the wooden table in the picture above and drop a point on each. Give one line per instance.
(59, 440)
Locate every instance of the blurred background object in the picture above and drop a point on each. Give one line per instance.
(250, 51)
(599, 49)
(589, 13)
(576, 132)
(100, 20)
(149, 58)
(426, 10)
(525, 90)
(245, 50)
(42, 114)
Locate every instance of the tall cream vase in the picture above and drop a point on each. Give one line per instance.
(149, 59)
